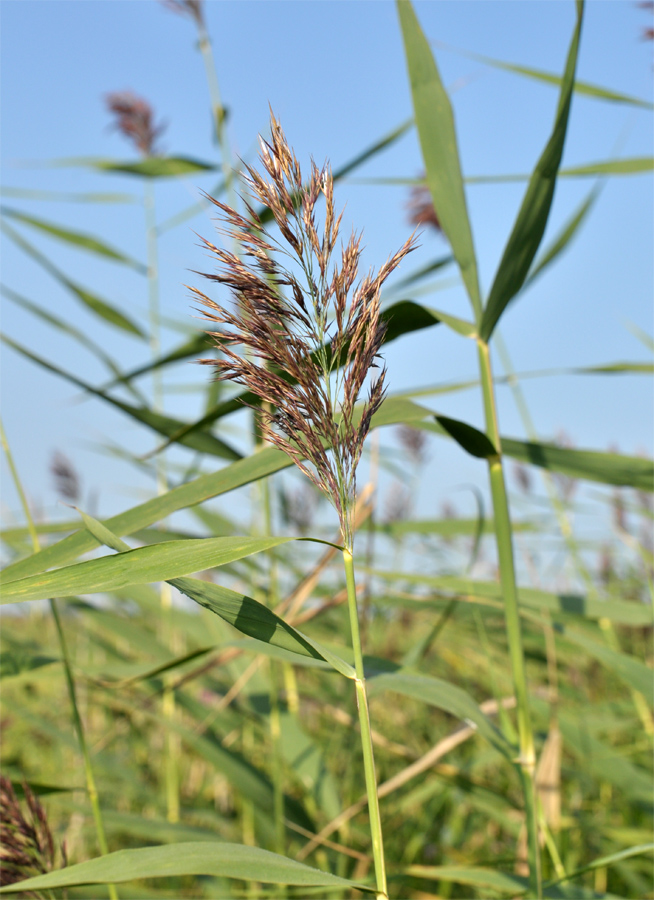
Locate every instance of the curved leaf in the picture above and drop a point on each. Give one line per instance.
(193, 858)
(77, 239)
(445, 696)
(473, 441)
(534, 212)
(94, 303)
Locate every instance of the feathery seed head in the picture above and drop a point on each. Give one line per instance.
(312, 336)
(26, 844)
(134, 118)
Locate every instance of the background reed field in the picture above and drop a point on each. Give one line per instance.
(222, 678)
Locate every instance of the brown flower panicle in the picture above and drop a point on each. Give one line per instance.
(26, 844)
(312, 334)
(135, 119)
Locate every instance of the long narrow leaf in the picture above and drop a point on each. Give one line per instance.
(195, 858)
(435, 123)
(76, 238)
(202, 441)
(158, 562)
(534, 212)
(92, 302)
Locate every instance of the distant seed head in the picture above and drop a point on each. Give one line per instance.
(135, 119)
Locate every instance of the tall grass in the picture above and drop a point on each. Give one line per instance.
(418, 730)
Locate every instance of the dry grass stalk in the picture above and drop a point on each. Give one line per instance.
(313, 334)
(26, 844)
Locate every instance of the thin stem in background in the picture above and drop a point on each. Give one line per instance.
(173, 749)
(91, 787)
(504, 537)
(366, 736)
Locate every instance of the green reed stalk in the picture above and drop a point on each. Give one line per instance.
(504, 537)
(91, 787)
(366, 735)
(168, 699)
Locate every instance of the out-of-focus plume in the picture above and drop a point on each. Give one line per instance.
(135, 120)
(421, 208)
(66, 479)
(192, 8)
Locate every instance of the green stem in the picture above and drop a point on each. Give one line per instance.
(168, 699)
(366, 735)
(70, 682)
(504, 537)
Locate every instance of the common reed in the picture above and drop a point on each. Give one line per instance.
(313, 335)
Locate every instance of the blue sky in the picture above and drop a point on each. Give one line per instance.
(334, 72)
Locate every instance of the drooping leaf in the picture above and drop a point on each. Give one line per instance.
(92, 302)
(202, 441)
(77, 239)
(193, 858)
(445, 696)
(435, 123)
(534, 211)
(489, 879)
(76, 333)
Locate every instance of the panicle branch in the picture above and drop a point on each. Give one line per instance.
(310, 332)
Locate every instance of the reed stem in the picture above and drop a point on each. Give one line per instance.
(504, 537)
(91, 787)
(366, 736)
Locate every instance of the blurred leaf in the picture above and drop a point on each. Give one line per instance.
(564, 237)
(77, 239)
(631, 670)
(605, 861)
(622, 612)
(153, 167)
(491, 879)
(474, 442)
(461, 326)
(158, 562)
(632, 166)
(65, 197)
(73, 332)
(580, 87)
(445, 696)
(384, 142)
(419, 274)
(435, 123)
(194, 858)
(202, 441)
(199, 343)
(534, 212)
(16, 661)
(94, 303)
(607, 468)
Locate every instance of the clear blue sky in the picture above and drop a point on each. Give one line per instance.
(334, 72)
